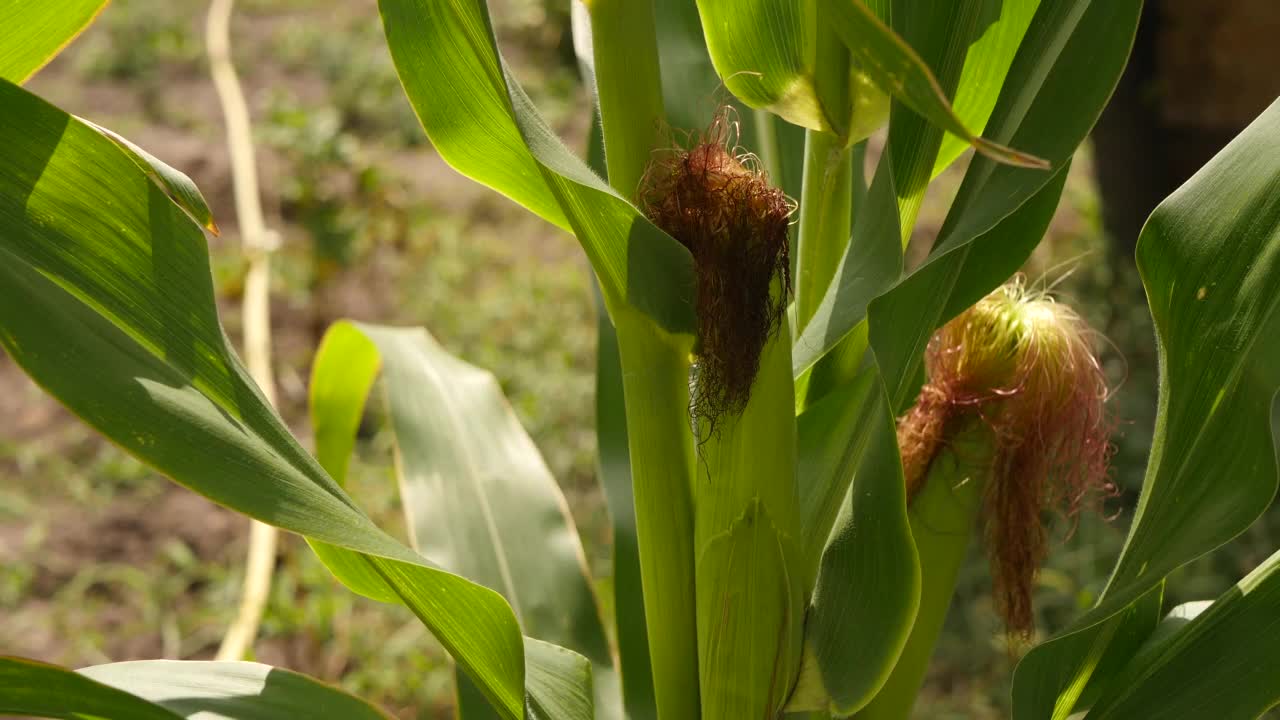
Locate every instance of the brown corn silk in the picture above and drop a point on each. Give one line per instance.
(1023, 365)
(719, 204)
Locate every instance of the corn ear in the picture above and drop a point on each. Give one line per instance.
(749, 584)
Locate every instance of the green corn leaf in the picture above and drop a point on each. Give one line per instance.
(38, 689)
(835, 442)
(1046, 106)
(1001, 27)
(482, 123)
(175, 184)
(231, 690)
(32, 32)
(560, 685)
(763, 52)
(343, 388)
(832, 435)
(941, 36)
(1162, 630)
(106, 301)
(996, 255)
(1220, 662)
(900, 71)
(871, 264)
(1210, 261)
(1138, 626)
(172, 689)
(853, 637)
(477, 496)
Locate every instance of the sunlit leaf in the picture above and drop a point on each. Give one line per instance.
(176, 185)
(482, 123)
(1001, 28)
(941, 36)
(106, 300)
(900, 71)
(33, 31)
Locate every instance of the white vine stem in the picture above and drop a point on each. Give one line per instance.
(257, 244)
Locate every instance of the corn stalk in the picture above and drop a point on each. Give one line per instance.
(257, 243)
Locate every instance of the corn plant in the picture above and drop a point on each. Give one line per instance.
(797, 430)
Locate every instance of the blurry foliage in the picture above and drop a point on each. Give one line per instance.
(142, 41)
(342, 201)
(357, 76)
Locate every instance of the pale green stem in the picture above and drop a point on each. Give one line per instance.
(767, 143)
(655, 382)
(825, 219)
(655, 366)
(629, 86)
(827, 191)
(943, 514)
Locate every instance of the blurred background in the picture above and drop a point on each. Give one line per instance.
(102, 560)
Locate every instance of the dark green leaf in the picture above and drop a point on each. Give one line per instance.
(855, 636)
(172, 689)
(1210, 260)
(1217, 663)
(35, 688)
